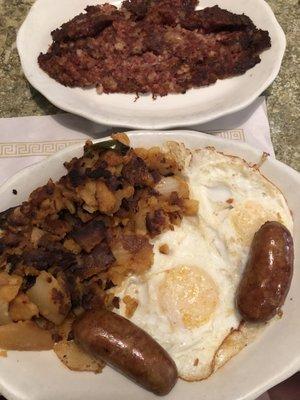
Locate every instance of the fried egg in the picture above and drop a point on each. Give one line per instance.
(235, 201)
(186, 301)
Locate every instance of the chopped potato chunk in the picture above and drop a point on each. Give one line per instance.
(52, 300)
(9, 287)
(24, 336)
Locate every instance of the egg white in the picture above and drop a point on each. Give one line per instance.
(192, 349)
(234, 201)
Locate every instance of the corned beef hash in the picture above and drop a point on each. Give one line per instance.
(152, 46)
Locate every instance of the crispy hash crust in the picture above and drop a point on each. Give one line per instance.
(152, 46)
(74, 239)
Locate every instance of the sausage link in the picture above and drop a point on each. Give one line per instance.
(119, 342)
(268, 273)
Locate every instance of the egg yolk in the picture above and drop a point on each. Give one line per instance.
(188, 296)
(248, 217)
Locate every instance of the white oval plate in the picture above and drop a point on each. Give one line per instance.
(194, 107)
(272, 358)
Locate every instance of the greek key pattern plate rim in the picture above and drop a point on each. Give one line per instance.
(233, 134)
(30, 149)
(46, 148)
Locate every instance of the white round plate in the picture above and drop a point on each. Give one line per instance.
(194, 107)
(273, 357)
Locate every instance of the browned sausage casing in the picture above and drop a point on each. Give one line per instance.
(268, 273)
(122, 344)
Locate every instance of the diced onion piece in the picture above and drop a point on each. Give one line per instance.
(24, 336)
(170, 184)
(76, 359)
(52, 300)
